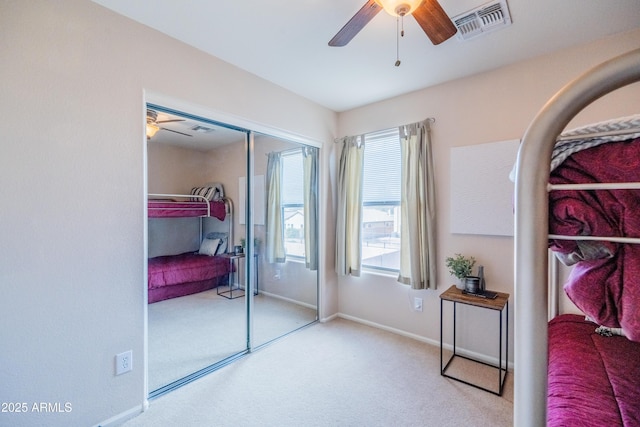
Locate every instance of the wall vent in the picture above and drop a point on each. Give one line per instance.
(481, 20)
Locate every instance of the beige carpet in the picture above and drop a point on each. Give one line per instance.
(189, 333)
(336, 374)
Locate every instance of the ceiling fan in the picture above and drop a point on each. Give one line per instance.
(153, 124)
(428, 13)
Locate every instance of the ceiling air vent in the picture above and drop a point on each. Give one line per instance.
(481, 20)
(202, 129)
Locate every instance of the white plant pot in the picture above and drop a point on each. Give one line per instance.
(459, 283)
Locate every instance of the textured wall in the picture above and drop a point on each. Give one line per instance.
(72, 157)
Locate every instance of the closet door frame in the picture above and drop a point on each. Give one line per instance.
(250, 128)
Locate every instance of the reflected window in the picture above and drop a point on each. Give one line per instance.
(293, 203)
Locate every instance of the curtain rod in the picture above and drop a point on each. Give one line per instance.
(428, 119)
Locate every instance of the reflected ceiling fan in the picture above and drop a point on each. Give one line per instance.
(153, 124)
(428, 13)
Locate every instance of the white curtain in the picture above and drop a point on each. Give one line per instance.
(310, 184)
(349, 207)
(417, 207)
(275, 251)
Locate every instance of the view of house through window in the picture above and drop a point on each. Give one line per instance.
(293, 203)
(380, 195)
(381, 200)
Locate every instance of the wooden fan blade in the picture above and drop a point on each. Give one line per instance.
(175, 131)
(355, 24)
(169, 121)
(434, 21)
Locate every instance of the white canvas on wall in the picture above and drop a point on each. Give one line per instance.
(481, 191)
(258, 202)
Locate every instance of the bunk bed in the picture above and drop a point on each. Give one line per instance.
(169, 208)
(203, 266)
(568, 371)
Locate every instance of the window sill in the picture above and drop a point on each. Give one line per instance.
(383, 273)
(295, 259)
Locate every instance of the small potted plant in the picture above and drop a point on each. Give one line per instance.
(460, 267)
(256, 243)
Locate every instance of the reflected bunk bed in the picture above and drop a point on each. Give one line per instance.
(202, 266)
(568, 369)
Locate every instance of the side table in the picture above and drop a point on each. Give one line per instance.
(500, 304)
(235, 272)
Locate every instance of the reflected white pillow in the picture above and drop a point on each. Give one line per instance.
(222, 248)
(209, 246)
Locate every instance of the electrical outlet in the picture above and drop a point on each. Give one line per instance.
(277, 275)
(417, 304)
(124, 362)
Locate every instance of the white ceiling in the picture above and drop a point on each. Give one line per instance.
(285, 41)
(182, 131)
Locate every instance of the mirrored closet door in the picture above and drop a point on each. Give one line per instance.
(285, 237)
(203, 312)
(195, 320)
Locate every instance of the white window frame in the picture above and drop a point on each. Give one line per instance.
(388, 136)
(293, 256)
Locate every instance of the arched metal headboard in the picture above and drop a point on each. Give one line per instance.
(531, 228)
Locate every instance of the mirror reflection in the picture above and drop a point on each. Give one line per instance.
(198, 312)
(285, 238)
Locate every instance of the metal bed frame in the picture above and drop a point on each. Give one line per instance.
(228, 207)
(531, 225)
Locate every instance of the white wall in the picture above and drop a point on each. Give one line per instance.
(494, 106)
(72, 221)
(174, 170)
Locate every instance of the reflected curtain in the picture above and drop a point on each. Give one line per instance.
(418, 210)
(349, 207)
(275, 251)
(310, 184)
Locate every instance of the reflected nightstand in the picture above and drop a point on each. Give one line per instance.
(234, 290)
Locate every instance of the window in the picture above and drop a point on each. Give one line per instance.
(293, 203)
(381, 201)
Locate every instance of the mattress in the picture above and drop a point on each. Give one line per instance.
(171, 209)
(185, 268)
(593, 379)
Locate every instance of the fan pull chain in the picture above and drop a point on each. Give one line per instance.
(399, 33)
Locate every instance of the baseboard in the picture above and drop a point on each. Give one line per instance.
(464, 352)
(389, 329)
(125, 416)
(292, 301)
(329, 319)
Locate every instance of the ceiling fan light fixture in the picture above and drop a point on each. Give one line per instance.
(429, 15)
(151, 129)
(399, 7)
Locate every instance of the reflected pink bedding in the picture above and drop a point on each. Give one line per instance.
(171, 209)
(189, 267)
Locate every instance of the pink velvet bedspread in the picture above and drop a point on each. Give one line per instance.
(173, 209)
(605, 283)
(593, 380)
(180, 270)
